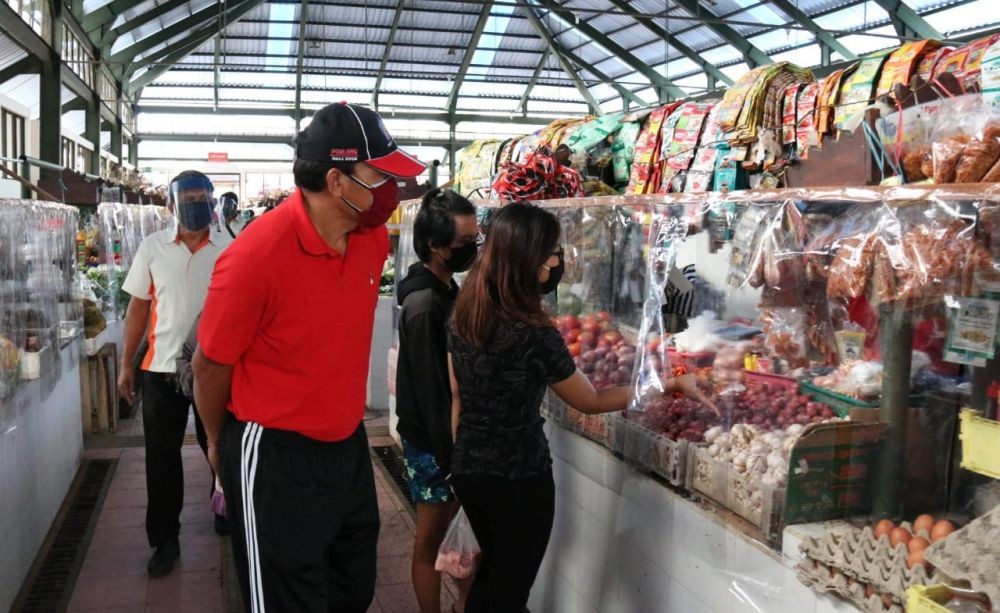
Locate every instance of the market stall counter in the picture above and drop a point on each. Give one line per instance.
(838, 334)
(41, 323)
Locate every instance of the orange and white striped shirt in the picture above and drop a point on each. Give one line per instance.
(176, 280)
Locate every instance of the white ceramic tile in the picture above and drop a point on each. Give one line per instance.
(643, 586)
(830, 604)
(796, 597)
(39, 454)
(682, 599)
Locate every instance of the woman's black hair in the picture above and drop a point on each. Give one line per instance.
(311, 176)
(435, 223)
(503, 283)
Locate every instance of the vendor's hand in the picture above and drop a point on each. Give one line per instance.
(126, 384)
(692, 387)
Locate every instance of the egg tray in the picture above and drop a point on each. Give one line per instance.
(818, 577)
(972, 554)
(859, 555)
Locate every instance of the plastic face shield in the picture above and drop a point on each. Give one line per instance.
(191, 190)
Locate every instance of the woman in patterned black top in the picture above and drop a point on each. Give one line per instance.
(503, 354)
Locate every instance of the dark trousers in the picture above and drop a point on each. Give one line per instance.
(304, 518)
(512, 520)
(164, 420)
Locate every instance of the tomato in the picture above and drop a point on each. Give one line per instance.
(574, 349)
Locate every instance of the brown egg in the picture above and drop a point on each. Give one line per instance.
(916, 558)
(899, 535)
(883, 528)
(924, 522)
(917, 543)
(941, 530)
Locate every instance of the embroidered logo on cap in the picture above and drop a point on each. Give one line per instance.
(344, 155)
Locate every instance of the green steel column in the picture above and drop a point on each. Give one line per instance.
(896, 331)
(50, 94)
(133, 152)
(92, 132)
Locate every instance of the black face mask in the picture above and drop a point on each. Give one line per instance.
(555, 276)
(462, 258)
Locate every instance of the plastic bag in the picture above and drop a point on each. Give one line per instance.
(966, 141)
(459, 552)
(218, 500)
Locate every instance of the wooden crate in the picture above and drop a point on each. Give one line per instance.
(99, 390)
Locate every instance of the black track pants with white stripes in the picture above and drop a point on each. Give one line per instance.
(304, 517)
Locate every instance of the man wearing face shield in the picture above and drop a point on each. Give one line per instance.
(168, 282)
(230, 214)
(282, 366)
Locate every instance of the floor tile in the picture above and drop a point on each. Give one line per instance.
(116, 562)
(202, 556)
(122, 517)
(109, 592)
(119, 538)
(125, 498)
(393, 570)
(178, 587)
(205, 606)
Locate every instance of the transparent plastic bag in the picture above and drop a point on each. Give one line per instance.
(459, 552)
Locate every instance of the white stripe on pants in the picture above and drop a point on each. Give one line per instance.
(248, 474)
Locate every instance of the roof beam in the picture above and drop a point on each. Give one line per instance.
(177, 51)
(477, 34)
(664, 86)
(397, 16)
(661, 32)
(21, 33)
(217, 69)
(544, 31)
(26, 65)
(522, 106)
(106, 14)
(157, 11)
(822, 36)
(271, 139)
(211, 13)
(903, 14)
(303, 11)
(563, 55)
(437, 115)
(752, 55)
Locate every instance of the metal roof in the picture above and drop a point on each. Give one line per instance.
(539, 58)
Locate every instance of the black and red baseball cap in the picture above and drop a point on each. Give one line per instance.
(345, 132)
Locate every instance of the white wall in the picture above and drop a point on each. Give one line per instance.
(40, 445)
(624, 543)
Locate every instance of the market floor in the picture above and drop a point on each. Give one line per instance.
(113, 576)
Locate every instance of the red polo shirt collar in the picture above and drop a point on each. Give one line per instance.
(309, 237)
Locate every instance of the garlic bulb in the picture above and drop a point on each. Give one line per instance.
(712, 434)
(714, 450)
(795, 429)
(724, 440)
(756, 463)
(774, 459)
(759, 446)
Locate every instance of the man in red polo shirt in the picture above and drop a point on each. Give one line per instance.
(284, 345)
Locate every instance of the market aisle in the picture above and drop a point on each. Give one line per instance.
(113, 576)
